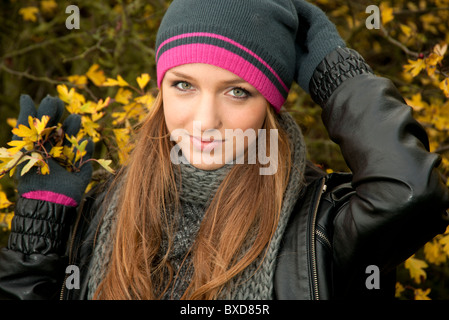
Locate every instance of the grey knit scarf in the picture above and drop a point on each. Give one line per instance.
(197, 188)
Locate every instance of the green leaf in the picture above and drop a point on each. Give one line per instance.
(82, 146)
(29, 165)
(106, 164)
(72, 140)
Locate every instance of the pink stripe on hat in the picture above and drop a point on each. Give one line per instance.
(238, 45)
(50, 197)
(210, 54)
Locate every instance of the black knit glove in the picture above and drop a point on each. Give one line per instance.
(317, 37)
(60, 186)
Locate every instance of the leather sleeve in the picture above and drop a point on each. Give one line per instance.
(32, 266)
(400, 201)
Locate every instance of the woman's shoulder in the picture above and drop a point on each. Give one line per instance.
(312, 172)
(324, 194)
(314, 175)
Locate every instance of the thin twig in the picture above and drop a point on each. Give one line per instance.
(97, 46)
(45, 79)
(39, 45)
(32, 77)
(94, 97)
(442, 73)
(398, 44)
(442, 149)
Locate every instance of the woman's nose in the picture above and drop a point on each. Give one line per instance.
(207, 113)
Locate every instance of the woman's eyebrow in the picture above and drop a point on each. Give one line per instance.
(235, 81)
(227, 82)
(180, 75)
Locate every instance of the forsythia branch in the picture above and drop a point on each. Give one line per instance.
(97, 46)
(44, 79)
(30, 76)
(442, 149)
(398, 44)
(39, 45)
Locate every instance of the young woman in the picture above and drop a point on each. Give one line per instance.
(195, 216)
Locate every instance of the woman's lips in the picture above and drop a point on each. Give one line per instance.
(205, 145)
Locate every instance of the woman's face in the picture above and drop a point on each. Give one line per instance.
(209, 111)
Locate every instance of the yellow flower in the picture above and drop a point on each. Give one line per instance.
(96, 75)
(29, 13)
(48, 6)
(431, 61)
(415, 67)
(406, 30)
(123, 96)
(90, 128)
(142, 81)
(5, 220)
(146, 100)
(74, 100)
(80, 81)
(399, 289)
(422, 295)
(434, 253)
(12, 122)
(416, 268)
(386, 13)
(122, 138)
(417, 103)
(112, 82)
(4, 202)
(30, 134)
(444, 85)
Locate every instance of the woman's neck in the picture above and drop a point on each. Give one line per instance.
(198, 186)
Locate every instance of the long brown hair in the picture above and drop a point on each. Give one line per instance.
(237, 226)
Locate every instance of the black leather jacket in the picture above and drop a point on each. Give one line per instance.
(393, 202)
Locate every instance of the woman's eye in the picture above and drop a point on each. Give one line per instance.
(239, 93)
(183, 85)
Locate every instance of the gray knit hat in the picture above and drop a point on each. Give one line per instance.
(268, 43)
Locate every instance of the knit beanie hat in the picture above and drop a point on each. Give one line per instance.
(267, 43)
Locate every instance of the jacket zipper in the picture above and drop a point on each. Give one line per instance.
(320, 234)
(72, 240)
(315, 290)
